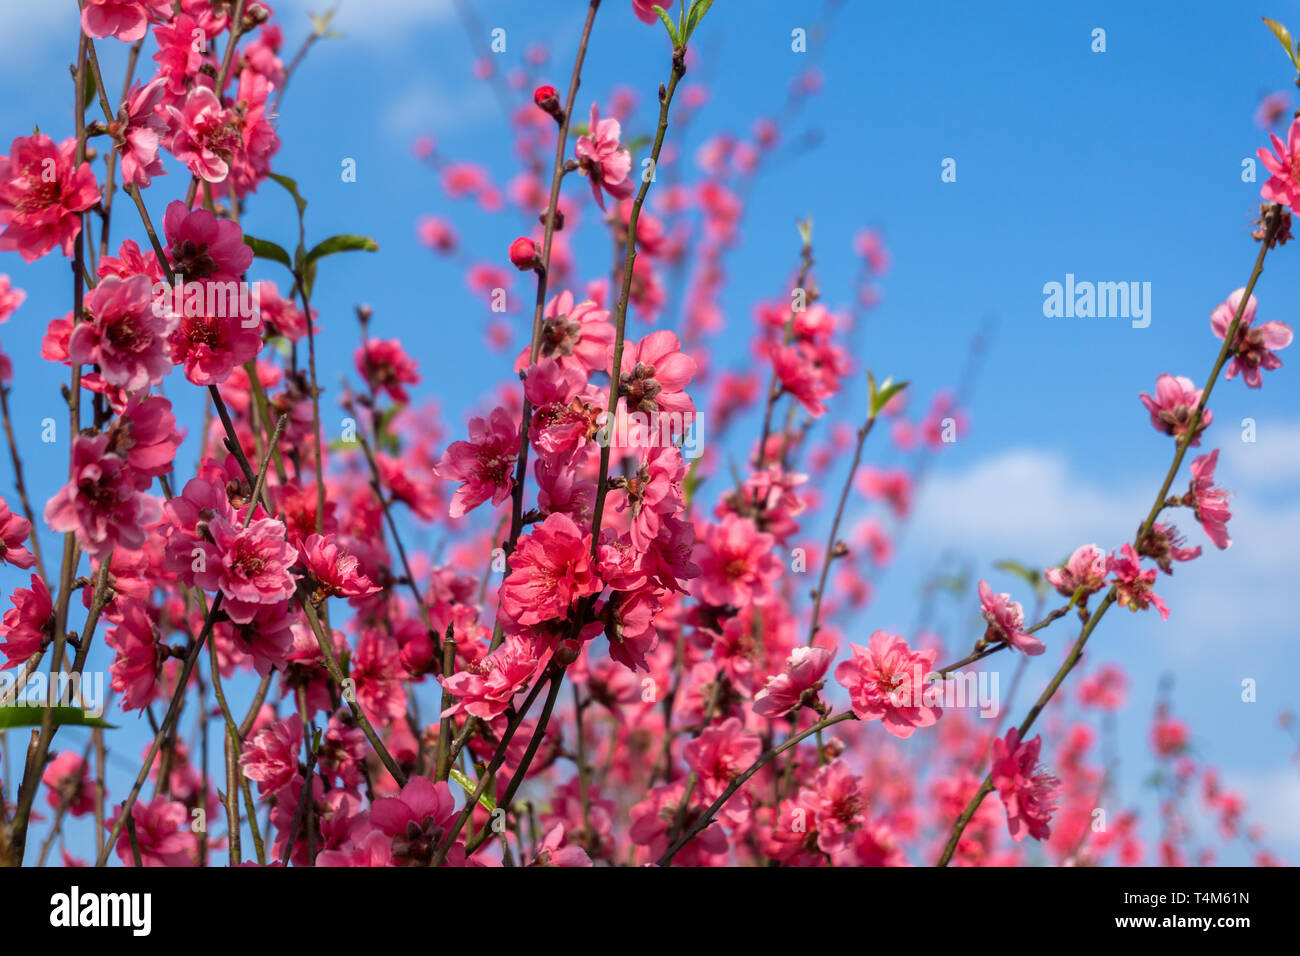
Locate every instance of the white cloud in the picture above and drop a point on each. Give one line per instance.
(426, 107)
(1273, 458)
(1033, 505)
(1029, 500)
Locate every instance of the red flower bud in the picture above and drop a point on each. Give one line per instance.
(548, 101)
(523, 253)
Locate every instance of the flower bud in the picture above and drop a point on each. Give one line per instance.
(548, 101)
(523, 253)
(567, 652)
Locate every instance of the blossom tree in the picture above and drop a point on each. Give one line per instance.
(630, 650)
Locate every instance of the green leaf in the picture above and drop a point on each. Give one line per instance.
(470, 786)
(1283, 37)
(31, 715)
(90, 90)
(955, 584)
(1031, 577)
(805, 230)
(1076, 596)
(879, 397)
(698, 9)
(320, 23)
(668, 22)
(308, 272)
(342, 243)
(692, 481)
(264, 249)
(292, 188)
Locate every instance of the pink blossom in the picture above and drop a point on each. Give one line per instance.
(1171, 410)
(380, 676)
(188, 514)
(578, 336)
(652, 817)
(436, 233)
(810, 372)
(644, 10)
(1284, 185)
(1086, 568)
(371, 850)
(280, 316)
(27, 624)
(124, 19)
(839, 803)
(42, 192)
(145, 435)
(1164, 545)
(249, 565)
(201, 246)
(1028, 791)
(123, 334)
(803, 673)
(488, 686)
(204, 134)
(162, 834)
(603, 160)
(886, 681)
(737, 566)
(14, 530)
(418, 821)
(68, 778)
(271, 755)
(211, 347)
(257, 141)
(178, 56)
(384, 364)
(267, 638)
(1104, 689)
(485, 464)
(550, 569)
(11, 297)
(1006, 620)
(142, 136)
(894, 485)
(1272, 107)
(130, 261)
(655, 374)
(1252, 348)
(420, 496)
(100, 503)
(653, 490)
(564, 420)
(134, 671)
(629, 619)
(1169, 736)
(720, 754)
(337, 573)
(1133, 585)
(553, 851)
(1209, 503)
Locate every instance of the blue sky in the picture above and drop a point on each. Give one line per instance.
(1115, 166)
